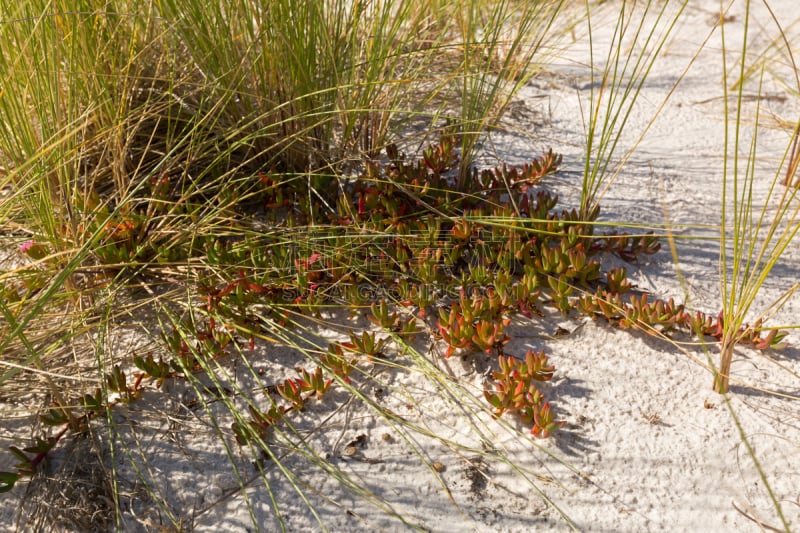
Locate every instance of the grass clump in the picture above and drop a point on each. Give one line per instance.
(202, 156)
(752, 239)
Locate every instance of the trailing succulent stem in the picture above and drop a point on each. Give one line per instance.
(72, 416)
(399, 241)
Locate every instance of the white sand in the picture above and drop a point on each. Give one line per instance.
(648, 447)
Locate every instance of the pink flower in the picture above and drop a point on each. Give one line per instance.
(307, 264)
(25, 246)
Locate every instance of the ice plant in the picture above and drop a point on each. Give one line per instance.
(544, 423)
(365, 344)
(514, 390)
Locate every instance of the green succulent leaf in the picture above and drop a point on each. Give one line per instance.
(8, 480)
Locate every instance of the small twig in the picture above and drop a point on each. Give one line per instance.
(748, 98)
(791, 167)
(756, 520)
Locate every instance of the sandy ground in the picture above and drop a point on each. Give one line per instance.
(648, 445)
